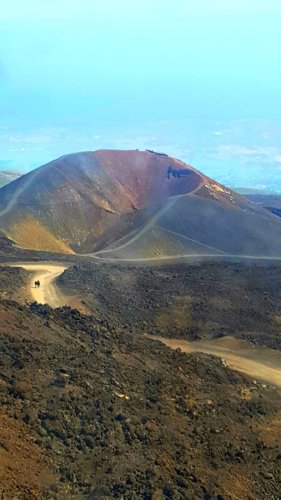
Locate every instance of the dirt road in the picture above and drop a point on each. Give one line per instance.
(154, 219)
(257, 362)
(184, 257)
(144, 230)
(48, 292)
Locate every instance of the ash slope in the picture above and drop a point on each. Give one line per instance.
(271, 202)
(132, 204)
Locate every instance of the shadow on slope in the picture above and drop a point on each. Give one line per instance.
(195, 224)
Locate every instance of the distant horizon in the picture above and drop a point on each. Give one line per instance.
(200, 82)
(237, 153)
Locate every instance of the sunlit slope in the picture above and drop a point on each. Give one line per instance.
(128, 204)
(86, 200)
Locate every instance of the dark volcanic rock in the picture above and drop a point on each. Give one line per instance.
(119, 416)
(204, 300)
(13, 283)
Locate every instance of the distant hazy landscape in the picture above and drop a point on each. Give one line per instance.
(242, 154)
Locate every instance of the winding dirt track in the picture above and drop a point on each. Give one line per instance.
(48, 292)
(171, 201)
(183, 257)
(257, 362)
(145, 229)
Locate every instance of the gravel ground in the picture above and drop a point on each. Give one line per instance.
(116, 415)
(204, 300)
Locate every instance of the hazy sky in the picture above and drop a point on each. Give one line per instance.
(91, 63)
(147, 58)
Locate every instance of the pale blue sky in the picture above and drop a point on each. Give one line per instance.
(145, 58)
(126, 63)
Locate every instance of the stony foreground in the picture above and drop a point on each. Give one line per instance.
(88, 413)
(192, 301)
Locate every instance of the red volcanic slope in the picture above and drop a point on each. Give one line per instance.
(75, 202)
(144, 175)
(87, 202)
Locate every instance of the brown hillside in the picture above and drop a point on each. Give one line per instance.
(69, 432)
(139, 203)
